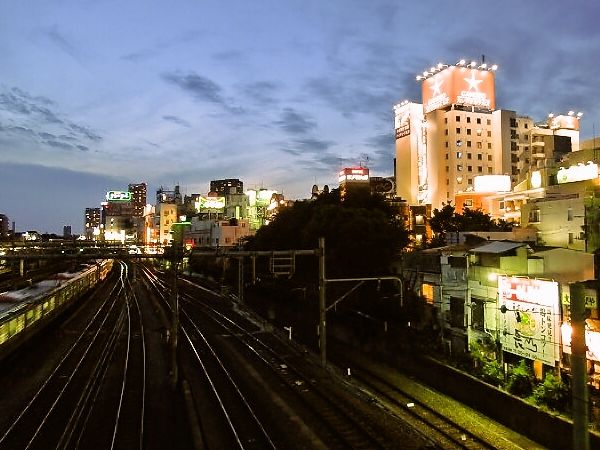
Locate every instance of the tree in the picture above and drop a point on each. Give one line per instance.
(361, 231)
(447, 220)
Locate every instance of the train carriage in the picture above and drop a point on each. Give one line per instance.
(27, 311)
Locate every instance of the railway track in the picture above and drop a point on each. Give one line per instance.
(66, 411)
(326, 420)
(425, 417)
(342, 427)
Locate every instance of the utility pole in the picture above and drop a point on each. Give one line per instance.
(581, 439)
(175, 319)
(322, 304)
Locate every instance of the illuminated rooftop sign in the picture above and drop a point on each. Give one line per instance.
(118, 196)
(459, 85)
(359, 174)
(579, 172)
(205, 203)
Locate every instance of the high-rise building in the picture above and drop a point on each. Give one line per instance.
(227, 186)
(456, 134)
(138, 198)
(93, 219)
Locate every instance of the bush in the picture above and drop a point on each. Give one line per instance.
(552, 393)
(520, 380)
(486, 366)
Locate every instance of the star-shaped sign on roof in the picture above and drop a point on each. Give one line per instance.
(436, 86)
(473, 82)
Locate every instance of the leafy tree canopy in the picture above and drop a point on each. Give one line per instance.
(446, 220)
(362, 233)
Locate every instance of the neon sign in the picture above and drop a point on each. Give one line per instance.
(118, 196)
(358, 174)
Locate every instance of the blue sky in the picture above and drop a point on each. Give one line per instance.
(282, 94)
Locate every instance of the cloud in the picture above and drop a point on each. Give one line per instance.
(64, 44)
(160, 47)
(307, 145)
(177, 120)
(35, 111)
(293, 122)
(261, 92)
(202, 89)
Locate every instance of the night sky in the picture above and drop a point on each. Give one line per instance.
(278, 93)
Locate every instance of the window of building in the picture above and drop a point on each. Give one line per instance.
(570, 238)
(489, 145)
(457, 130)
(468, 131)
(534, 215)
(469, 155)
(458, 118)
(459, 167)
(446, 144)
(501, 204)
(470, 181)
(526, 125)
(446, 131)
(446, 155)
(480, 169)
(479, 145)
(569, 214)
(489, 122)
(468, 143)
(468, 120)
(479, 120)
(479, 131)
(459, 154)
(459, 180)
(489, 170)
(445, 120)
(468, 202)
(447, 169)
(489, 134)
(469, 168)
(489, 157)
(479, 156)
(427, 292)
(477, 314)
(447, 181)
(457, 312)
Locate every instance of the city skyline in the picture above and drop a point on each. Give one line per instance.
(97, 95)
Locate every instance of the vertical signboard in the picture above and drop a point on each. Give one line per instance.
(529, 311)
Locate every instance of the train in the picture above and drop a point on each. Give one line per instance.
(25, 312)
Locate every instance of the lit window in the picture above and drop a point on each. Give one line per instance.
(468, 202)
(479, 130)
(459, 154)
